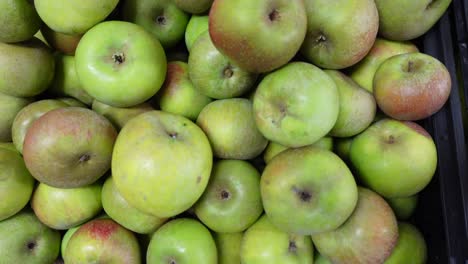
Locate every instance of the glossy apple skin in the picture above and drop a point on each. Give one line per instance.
(369, 235)
(274, 148)
(296, 105)
(228, 246)
(403, 207)
(119, 116)
(411, 246)
(195, 27)
(307, 190)
(263, 242)
(19, 21)
(120, 63)
(153, 181)
(183, 241)
(9, 107)
(412, 86)
(63, 43)
(258, 36)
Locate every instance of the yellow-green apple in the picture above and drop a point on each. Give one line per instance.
(119, 116)
(194, 6)
(161, 163)
(16, 183)
(60, 42)
(24, 239)
(26, 68)
(368, 236)
(274, 148)
(263, 242)
(403, 207)
(19, 21)
(258, 36)
(120, 63)
(195, 27)
(411, 86)
(28, 115)
(231, 130)
(9, 107)
(307, 190)
(411, 246)
(102, 241)
(363, 72)
(331, 28)
(69, 147)
(182, 241)
(228, 246)
(126, 215)
(74, 17)
(296, 105)
(406, 20)
(394, 158)
(178, 94)
(231, 202)
(357, 106)
(70, 101)
(214, 74)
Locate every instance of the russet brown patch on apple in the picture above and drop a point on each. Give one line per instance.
(101, 228)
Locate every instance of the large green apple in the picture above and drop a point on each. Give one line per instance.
(194, 6)
(69, 147)
(119, 116)
(411, 247)
(403, 207)
(296, 105)
(24, 239)
(394, 158)
(182, 241)
(120, 63)
(74, 16)
(274, 148)
(19, 20)
(161, 163)
(230, 127)
(195, 27)
(264, 243)
(258, 36)
(9, 108)
(228, 246)
(63, 43)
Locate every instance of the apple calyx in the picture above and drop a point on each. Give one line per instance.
(118, 57)
(321, 38)
(274, 15)
(84, 158)
(161, 20)
(303, 195)
(292, 248)
(228, 72)
(391, 139)
(31, 245)
(225, 195)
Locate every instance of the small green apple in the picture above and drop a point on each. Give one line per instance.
(228, 246)
(195, 27)
(403, 207)
(19, 21)
(9, 107)
(119, 116)
(411, 247)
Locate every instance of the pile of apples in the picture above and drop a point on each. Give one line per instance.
(225, 131)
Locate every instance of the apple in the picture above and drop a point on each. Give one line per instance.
(182, 241)
(74, 17)
(125, 214)
(194, 6)
(26, 68)
(178, 94)
(28, 115)
(69, 147)
(403, 207)
(162, 18)
(9, 107)
(339, 34)
(228, 246)
(24, 239)
(63, 43)
(102, 241)
(368, 236)
(363, 72)
(342, 147)
(230, 127)
(258, 36)
(71, 101)
(8, 146)
(263, 242)
(357, 106)
(406, 20)
(319, 259)
(296, 105)
(410, 247)
(161, 163)
(120, 63)
(19, 21)
(195, 27)
(119, 116)
(274, 148)
(66, 237)
(231, 202)
(411, 86)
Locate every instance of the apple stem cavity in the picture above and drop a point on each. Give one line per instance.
(161, 20)
(225, 195)
(321, 38)
(292, 247)
(31, 245)
(118, 58)
(274, 15)
(303, 195)
(391, 139)
(84, 158)
(228, 72)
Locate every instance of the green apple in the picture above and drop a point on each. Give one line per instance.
(258, 36)
(195, 27)
(274, 148)
(119, 116)
(403, 207)
(363, 72)
(230, 127)
(308, 190)
(194, 6)
(24, 239)
(357, 106)
(182, 241)
(339, 33)
(69, 147)
(178, 94)
(160, 17)
(394, 158)
(71, 101)
(231, 202)
(161, 163)
(214, 74)
(102, 241)
(9, 107)
(263, 242)
(296, 105)
(412, 86)
(19, 21)
(125, 214)
(74, 17)
(26, 68)
(342, 147)
(120, 63)
(228, 246)
(368, 235)
(411, 246)
(16, 183)
(28, 115)
(63, 43)
(406, 20)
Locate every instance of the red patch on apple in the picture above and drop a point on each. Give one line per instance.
(101, 228)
